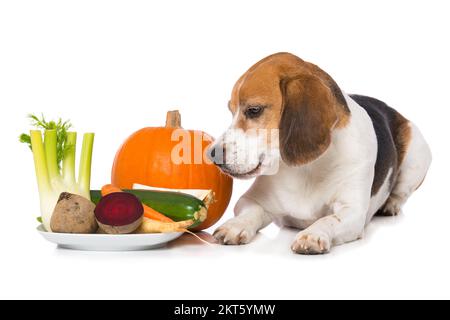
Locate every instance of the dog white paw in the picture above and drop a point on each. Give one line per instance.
(393, 207)
(234, 232)
(308, 242)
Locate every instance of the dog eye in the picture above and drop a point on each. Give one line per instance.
(253, 111)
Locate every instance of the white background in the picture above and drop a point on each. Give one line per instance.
(115, 66)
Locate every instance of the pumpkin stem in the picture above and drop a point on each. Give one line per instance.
(173, 119)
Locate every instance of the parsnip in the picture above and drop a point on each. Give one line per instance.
(153, 226)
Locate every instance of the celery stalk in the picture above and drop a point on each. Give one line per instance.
(68, 162)
(84, 174)
(50, 154)
(40, 163)
(47, 196)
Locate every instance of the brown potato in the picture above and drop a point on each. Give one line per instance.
(73, 214)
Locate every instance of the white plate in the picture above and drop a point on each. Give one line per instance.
(106, 242)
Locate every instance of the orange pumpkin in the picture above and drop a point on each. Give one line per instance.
(146, 158)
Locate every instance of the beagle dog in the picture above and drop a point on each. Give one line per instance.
(326, 163)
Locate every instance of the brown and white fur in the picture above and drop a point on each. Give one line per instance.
(334, 166)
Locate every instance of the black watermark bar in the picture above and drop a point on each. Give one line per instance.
(226, 309)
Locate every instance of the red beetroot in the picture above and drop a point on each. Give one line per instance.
(119, 213)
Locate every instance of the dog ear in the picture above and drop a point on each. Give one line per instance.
(308, 117)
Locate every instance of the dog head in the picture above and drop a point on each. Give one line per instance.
(283, 108)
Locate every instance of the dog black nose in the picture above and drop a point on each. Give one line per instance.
(217, 154)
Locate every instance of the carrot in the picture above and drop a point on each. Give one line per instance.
(109, 188)
(148, 212)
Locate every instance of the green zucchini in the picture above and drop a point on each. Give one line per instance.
(96, 195)
(175, 205)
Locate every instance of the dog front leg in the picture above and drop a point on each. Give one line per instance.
(250, 218)
(345, 224)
